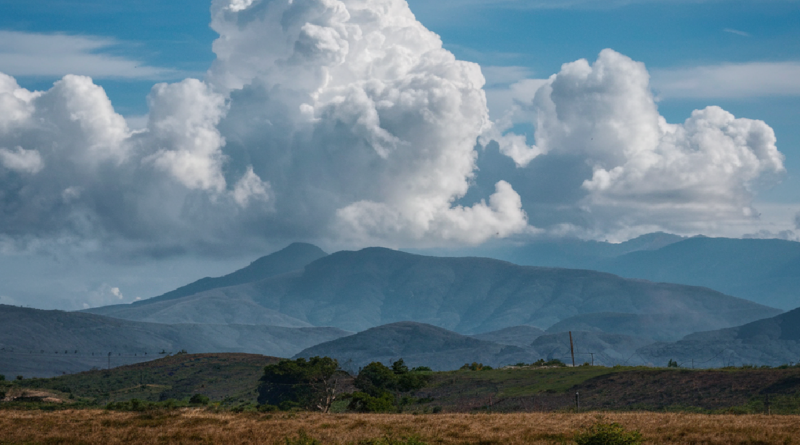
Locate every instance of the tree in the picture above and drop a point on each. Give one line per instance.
(672, 364)
(308, 384)
(379, 386)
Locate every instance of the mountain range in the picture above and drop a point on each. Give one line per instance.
(766, 271)
(355, 291)
(443, 312)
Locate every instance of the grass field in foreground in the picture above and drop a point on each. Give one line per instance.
(196, 426)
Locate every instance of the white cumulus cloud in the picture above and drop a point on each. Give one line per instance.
(646, 173)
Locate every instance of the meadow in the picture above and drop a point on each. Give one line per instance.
(202, 426)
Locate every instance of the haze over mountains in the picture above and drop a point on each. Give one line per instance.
(766, 271)
(441, 312)
(359, 290)
(33, 342)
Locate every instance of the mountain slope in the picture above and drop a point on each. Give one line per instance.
(42, 343)
(417, 344)
(773, 341)
(294, 257)
(521, 336)
(764, 271)
(359, 290)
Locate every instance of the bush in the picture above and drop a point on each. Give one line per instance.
(267, 408)
(672, 364)
(421, 369)
(19, 377)
(608, 434)
(199, 399)
(2, 378)
(365, 403)
(301, 439)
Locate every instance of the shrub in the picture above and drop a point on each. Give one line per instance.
(301, 439)
(672, 364)
(267, 408)
(19, 377)
(199, 399)
(2, 378)
(366, 403)
(421, 369)
(608, 434)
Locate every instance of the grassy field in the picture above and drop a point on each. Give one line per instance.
(195, 426)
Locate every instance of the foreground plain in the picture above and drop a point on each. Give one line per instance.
(89, 427)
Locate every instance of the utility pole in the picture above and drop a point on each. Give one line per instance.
(592, 354)
(571, 349)
(109, 361)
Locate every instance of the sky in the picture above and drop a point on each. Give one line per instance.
(146, 144)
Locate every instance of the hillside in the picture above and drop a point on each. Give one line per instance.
(418, 345)
(764, 271)
(294, 257)
(221, 377)
(359, 290)
(46, 343)
(521, 336)
(774, 341)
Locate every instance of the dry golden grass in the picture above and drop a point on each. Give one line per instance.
(203, 427)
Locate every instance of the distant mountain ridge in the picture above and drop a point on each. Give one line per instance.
(773, 341)
(418, 344)
(765, 271)
(45, 343)
(359, 290)
(294, 257)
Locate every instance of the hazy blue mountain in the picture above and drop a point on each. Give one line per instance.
(608, 349)
(764, 271)
(521, 336)
(773, 341)
(33, 342)
(418, 344)
(356, 291)
(294, 257)
(655, 327)
(568, 253)
(211, 307)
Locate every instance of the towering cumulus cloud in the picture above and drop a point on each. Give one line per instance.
(645, 174)
(358, 118)
(346, 121)
(319, 119)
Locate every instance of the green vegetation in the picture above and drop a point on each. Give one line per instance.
(237, 382)
(199, 399)
(380, 387)
(306, 384)
(226, 379)
(476, 367)
(608, 434)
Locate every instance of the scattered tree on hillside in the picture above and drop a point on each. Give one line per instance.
(672, 364)
(307, 384)
(475, 366)
(380, 386)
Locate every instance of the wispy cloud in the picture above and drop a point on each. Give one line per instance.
(737, 32)
(34, 54)
(755, 79)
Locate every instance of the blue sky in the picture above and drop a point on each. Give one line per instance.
(743, 56)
